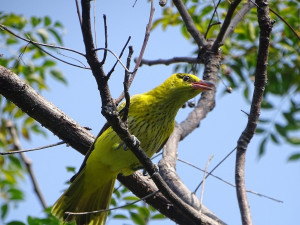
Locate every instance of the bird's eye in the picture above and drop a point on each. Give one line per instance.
(186, 78)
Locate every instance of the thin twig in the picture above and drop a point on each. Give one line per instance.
(105, 42)
(209, 24)
(17, 145)
(40, 44)
(53, 56)
(95, 30)
(227, 182)
(203, 181)
(111, 209)
(139, 59)
(204, 178)
(20, 56)
(169, 61)
(32, 149)
(78, 12)
(114, 54)
(283, 20)
(219, 164)
(126, 86)
(114, 66)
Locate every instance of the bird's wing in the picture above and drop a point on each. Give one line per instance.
(104, 128)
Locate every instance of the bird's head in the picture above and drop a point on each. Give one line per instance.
(185, 82)
(179, 88)
(186, 86)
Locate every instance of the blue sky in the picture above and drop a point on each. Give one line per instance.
(217, 135)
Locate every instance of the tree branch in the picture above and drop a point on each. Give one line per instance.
(189, 23)
(169, 61)
(236, 19)
(226, 23)
(26, 98)
(265, 25)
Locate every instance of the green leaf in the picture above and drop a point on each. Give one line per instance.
(293, 140)
(158, 216)
(259, 130)
(15, 223)
(280, 129)
(11, 41)
(262, 147)
(47, 21)
(264, 121)
(120, 216)
(43, 34)
(25, 133)
(4, 209)
(29, 121)
(19, 113)
(131, 198)
(36, 128)
(294, 157)
(15, 161)
(251, 31)
(137, 219)
(71, 169)
(56, 35)
(266, 105)
(274, 138)
(15, 194)
(49, 63)
(144, 211)
(58, 75)
(58, 24)
(35, 21)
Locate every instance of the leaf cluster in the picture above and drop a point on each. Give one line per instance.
(34, 66)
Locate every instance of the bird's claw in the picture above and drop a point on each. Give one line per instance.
(135, 140)
(124, 146)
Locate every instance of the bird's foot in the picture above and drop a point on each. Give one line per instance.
(124, 146)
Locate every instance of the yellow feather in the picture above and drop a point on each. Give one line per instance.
(151, 119)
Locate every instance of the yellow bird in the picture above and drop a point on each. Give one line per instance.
(151, 119)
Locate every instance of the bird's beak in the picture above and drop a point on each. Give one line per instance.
(203, 85)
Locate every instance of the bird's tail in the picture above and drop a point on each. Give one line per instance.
(82, 196)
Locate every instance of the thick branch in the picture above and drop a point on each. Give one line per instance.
(26, 98)
(265, 25)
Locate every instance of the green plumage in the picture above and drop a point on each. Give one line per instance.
(151, 119)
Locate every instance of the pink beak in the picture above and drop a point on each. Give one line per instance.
(203, 85)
